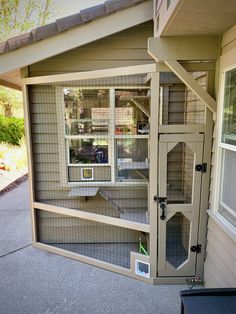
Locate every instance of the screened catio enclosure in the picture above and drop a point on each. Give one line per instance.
(115, 172)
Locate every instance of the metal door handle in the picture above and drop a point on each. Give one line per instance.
(162, 202)
(162, 207)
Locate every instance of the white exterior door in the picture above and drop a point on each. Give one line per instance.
(178, 202)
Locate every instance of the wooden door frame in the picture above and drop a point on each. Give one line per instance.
(164, 268)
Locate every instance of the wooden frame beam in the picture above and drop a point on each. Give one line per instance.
(94, 217)
(29, 158)
(153, 168)
(76, 37)
(10, 85)
(192, 84)
(94, 262)
(130, 70)
(184, 48)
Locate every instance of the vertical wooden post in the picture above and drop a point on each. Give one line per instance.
(153, 169)
(29, 158)
(162, 180)
(204, 201)
(112, 140)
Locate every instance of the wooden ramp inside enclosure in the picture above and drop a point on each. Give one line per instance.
(128, 206)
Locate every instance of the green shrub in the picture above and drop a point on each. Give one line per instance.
(11, 130)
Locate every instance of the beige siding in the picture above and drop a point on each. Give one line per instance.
(220, 263)
(195, 108)
(55, 228)
(46, 162)
(173, 104)
(125, 48)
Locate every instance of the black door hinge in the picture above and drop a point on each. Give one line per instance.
(201, 167)
(196, 248)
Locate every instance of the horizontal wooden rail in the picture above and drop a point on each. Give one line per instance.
(94, 217)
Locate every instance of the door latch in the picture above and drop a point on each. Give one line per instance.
(162, 204)
(196, 248)
(201, 167)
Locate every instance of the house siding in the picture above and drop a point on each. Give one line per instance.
(220, 263)
(125, 48)
(47, 178)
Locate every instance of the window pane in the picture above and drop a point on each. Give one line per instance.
(132, 161)
(86, 111)
(88, 151)
(132, 112)
(229, 114)
(228, 198)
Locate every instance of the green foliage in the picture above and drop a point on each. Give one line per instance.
(11, 102)
(18, 16)
(11, 130)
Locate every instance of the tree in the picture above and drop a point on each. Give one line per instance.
(10, 102)
(16, 17)
(19, 16)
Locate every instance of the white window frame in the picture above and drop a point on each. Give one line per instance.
(219, 167)
(111, 137)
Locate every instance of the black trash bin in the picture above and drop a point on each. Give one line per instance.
(207, 301)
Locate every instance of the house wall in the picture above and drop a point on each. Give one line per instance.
(125, 48)
(128, 47)
(220, 263)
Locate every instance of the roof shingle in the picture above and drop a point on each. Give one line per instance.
(21, 40)
(93, 13)
(65, 23)
(68, 22)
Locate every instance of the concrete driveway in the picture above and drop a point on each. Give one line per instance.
(34, 281)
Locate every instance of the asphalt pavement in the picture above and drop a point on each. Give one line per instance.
(33, 281)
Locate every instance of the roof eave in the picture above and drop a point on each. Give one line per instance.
(76, 37)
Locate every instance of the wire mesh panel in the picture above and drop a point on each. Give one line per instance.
(177, 239)
(178, 104)
(100, 241)
(93, 133)
(180, 174)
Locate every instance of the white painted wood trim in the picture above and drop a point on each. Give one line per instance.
(217, 192)
(76, 37)
(94, 217)
(111, 133)
(130, 70)
(223, 224)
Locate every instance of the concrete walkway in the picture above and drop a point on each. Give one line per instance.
(34, 281)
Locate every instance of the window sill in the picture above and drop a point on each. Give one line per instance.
(227, 228)
(105, 184)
